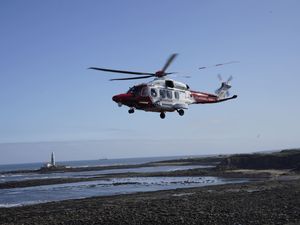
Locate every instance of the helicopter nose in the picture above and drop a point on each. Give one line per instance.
(121, 98)
(115, 98)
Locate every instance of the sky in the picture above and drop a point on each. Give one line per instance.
(50, 101)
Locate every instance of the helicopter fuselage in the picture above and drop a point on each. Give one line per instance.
(164, 95)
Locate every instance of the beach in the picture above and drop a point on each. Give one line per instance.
(263, 202)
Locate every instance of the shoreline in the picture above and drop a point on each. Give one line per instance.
(267, 202)
(252, 174)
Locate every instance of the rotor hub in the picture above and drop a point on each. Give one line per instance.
(160, 73)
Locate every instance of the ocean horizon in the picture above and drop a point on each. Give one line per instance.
(93, 162)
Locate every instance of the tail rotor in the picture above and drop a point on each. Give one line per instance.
(223, 92)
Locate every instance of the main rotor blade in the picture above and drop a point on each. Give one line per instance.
(169, 73)
(219, 64)
(222, 64)
(132, 78)
(169, 61)
(121, 71)
(184, 76)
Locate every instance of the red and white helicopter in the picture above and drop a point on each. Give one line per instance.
(163, 94)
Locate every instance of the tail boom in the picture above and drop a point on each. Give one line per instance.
(206, 98)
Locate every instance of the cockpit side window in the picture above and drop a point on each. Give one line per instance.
(144, 92)
(153, 92)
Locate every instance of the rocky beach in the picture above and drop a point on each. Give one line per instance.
(266, 202)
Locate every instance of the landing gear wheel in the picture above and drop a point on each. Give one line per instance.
(162, 115)
(130, 111)
(180, 112)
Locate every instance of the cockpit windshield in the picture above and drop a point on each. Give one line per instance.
(137, 90)
(131, 90)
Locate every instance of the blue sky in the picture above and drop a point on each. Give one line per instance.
(51, 102)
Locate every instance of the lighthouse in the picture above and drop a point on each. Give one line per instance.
(52, 159)
(51, 166)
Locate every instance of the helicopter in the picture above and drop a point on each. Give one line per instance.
(163, 94)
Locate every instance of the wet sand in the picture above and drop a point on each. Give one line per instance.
(264, 202)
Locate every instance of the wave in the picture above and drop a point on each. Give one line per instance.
(16, 175)
(8, 205)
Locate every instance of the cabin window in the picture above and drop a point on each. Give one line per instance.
(153, 92)
(162, 93)
(176, 94)
(169, 94)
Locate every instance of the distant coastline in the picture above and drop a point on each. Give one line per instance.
(89, 163)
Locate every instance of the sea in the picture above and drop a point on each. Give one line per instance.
(13, 197)
(87, 163)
